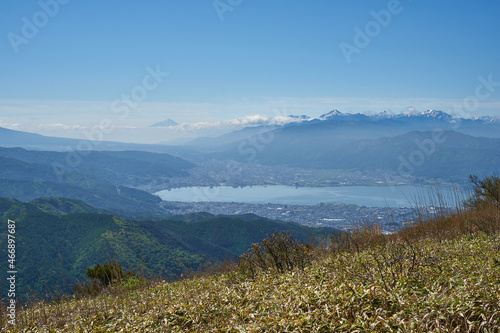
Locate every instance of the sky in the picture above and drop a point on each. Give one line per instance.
(69, 66)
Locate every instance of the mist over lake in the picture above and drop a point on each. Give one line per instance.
(372, 196)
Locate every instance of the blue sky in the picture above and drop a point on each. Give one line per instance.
(262, 56)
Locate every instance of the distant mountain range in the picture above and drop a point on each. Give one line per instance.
(359, 125)
(336, 115)
(411, 116)
(257, 120)
(356, 141)
(334, 140)
(338, 126)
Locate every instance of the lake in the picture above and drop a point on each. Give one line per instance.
(372, 196)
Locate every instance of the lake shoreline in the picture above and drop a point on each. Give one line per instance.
(370, 196)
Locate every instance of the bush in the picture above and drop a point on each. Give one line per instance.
(278, 253)
(485, 192)
(107, 275)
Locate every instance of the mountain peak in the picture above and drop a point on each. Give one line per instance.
(437, 114)
(165, 123)
(331, 114)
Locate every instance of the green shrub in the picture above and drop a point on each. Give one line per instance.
(107, 275)
(278, 253)
(486, 191)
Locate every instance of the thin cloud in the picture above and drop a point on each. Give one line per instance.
(245, 121)
(56, 127)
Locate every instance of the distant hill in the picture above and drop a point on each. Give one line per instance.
(57, 239)
(11, 139)
(458, 156)
(114, 167)
(101, 179)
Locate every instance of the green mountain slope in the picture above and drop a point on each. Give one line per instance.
(235, 233)
(58, 206)
(120, 200)
(57, 239)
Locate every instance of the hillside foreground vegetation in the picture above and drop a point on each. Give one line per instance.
(442, 273)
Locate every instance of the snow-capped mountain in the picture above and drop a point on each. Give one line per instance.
(165, 123)
(435, 115)
(486, 119)
(333, 114)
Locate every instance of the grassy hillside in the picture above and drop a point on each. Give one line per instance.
(439, 275)
(457, 289)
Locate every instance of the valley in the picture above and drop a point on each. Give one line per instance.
(214, 172)
(340, 216)
(93, 206)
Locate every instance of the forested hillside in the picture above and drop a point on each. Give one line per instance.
(58, 239)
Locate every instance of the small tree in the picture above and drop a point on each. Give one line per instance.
(102, 276)
(278, 253)
(486, 191)
(106, 274)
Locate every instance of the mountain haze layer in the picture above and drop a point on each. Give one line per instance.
(432, 144)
